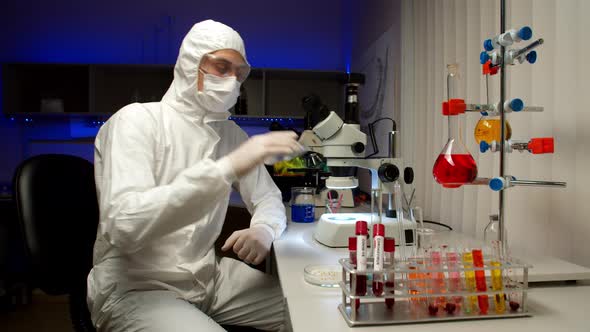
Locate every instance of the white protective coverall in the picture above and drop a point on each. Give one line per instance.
(163, 190)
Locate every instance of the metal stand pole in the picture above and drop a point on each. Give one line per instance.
(501, 224)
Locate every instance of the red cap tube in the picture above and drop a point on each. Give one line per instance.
(361, 228)
(352, 243)
(378, 230)
(389, 245)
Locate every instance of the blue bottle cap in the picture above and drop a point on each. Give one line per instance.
(516, 104)
(525, 33)
(483, 57)
(497, 184)
(483, 146)
(488, 45)
(531, 57)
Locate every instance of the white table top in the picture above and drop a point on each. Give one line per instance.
(562, 308)
(313, 308)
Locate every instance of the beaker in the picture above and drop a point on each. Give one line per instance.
(302, 204)
(454, 166)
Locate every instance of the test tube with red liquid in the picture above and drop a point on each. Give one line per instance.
(388, 262)
(361, 233)
(378, 250)
(480, 281)
(352, 258)
(437, 278)
(352, 250)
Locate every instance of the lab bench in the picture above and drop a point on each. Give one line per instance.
(554, 305)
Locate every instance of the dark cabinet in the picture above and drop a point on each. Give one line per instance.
(39, 88)
(102, 89)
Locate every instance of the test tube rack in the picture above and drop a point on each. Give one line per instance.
(412, 296)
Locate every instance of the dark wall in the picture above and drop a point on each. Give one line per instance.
(301, 34)
(288, 34)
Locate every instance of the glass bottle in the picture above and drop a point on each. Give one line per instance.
(454, 166)
(491, 234)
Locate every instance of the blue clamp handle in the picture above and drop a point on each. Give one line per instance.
(525, 33)
(488, 45)
(483, 57)
(497, 183)
(516, 104)
(531, 57)
(483, 146)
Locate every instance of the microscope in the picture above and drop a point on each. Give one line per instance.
(343, 145)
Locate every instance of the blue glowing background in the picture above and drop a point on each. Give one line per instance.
(301, 34)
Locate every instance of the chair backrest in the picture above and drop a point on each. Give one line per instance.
(57, 208)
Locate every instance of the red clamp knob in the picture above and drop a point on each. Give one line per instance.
(453, 107)
(487, 68)
(541, 145)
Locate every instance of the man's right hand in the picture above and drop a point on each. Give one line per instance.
(253, 152)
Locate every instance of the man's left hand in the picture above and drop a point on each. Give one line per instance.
(252, 245)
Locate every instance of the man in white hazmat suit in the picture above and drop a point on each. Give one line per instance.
(164, 172)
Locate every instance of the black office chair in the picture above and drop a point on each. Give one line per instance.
(57, 208)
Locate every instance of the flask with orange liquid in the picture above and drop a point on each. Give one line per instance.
(488, 129)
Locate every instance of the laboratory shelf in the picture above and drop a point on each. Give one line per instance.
(55, 90)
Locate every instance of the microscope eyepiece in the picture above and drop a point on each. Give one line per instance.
(315, 110)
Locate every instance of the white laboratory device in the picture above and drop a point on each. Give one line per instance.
(333, 229)
(343, 145)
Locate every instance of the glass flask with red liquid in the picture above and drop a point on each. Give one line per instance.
(454, 166)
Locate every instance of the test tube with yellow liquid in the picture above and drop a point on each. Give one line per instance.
(497, 280)
(470, 305)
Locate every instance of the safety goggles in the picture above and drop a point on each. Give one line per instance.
(223, 67)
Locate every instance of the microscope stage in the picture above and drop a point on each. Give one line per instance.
(334, 229)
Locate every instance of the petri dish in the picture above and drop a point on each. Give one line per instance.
(323, 275)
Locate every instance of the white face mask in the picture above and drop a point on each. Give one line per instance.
(219, 93)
